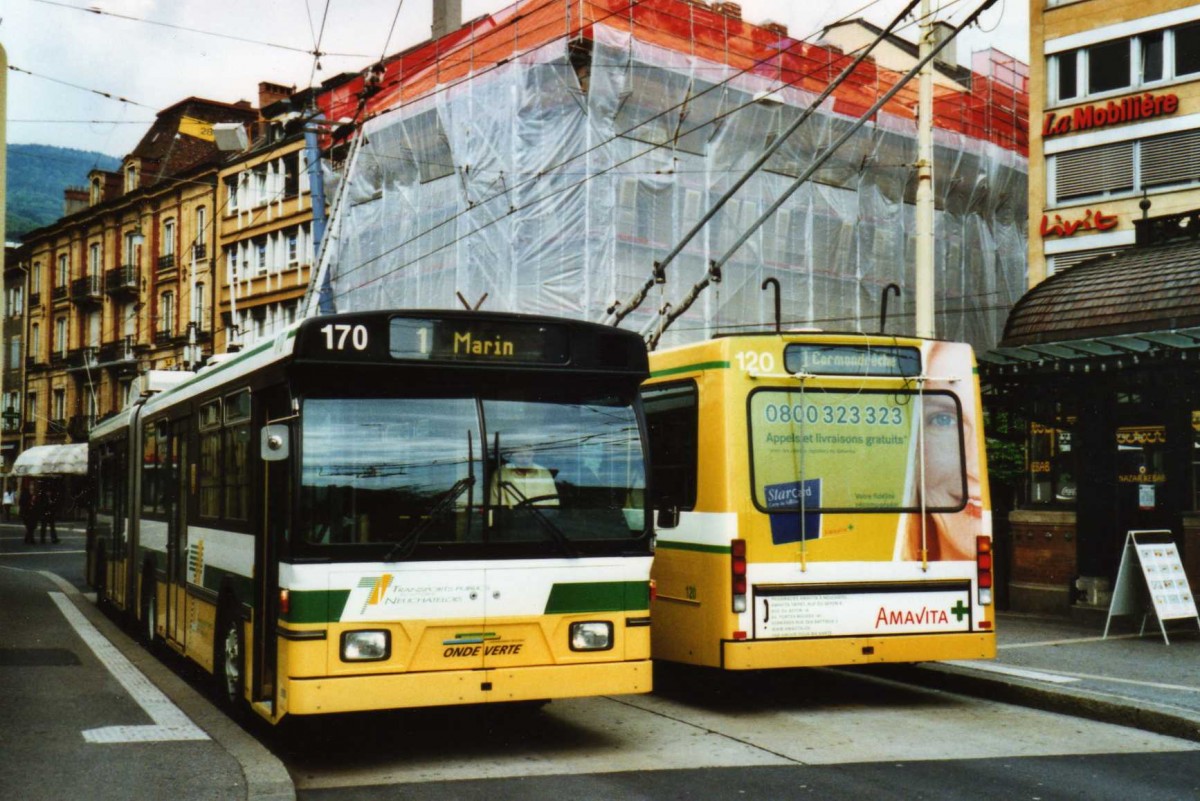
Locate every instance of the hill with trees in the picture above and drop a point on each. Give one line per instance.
(37, 176)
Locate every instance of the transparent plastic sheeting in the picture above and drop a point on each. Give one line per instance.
(554, 189)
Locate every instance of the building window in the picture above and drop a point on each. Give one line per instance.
(166, 313)
(1187, 49)
(31, 408)
(35, 341)
(94, 259)
(14, 353)
(168, 243)
(59, 412)
(198, 306)
(60, 335)
(131, 178)
(130, 245)
(291, 175)
(201, 226)
(260, 257)
(231, 194)
(293, 251)
(1108, 66)
(260, 185)
(62, 275)
(1127, 167)
(14, 301)
(35, 276)
(1123, 64)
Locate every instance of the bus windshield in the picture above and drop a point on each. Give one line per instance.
(428, 474)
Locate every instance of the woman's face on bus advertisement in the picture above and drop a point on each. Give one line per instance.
(943, 454)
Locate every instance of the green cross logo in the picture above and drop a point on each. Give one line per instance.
(958, 610)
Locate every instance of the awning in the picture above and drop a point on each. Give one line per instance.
(52, 460)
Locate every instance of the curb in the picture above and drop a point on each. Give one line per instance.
(1087, 704)
(266, 777)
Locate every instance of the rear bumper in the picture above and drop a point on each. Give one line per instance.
(764, 654)
(403, 690)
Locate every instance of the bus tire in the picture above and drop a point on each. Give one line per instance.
(149, 610)
(229, 663)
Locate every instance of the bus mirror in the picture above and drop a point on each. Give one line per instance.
(668, 517)
(274, 444)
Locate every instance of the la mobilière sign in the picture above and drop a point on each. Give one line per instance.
(1098, 115)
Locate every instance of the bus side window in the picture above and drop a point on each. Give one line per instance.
(672, 420)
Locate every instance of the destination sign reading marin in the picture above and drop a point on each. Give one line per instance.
(478, 340)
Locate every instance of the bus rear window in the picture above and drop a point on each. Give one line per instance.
(856, 451)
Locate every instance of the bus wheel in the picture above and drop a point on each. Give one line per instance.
(229, 664)
(149, 612)
(100, 582)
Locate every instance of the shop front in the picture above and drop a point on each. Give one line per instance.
(1102, 363)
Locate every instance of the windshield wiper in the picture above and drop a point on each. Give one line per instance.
(444, 504)
(549, 526)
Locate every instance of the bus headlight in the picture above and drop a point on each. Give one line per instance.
(591, 636)
(366, 646)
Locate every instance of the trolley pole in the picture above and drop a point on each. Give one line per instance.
(924, 279)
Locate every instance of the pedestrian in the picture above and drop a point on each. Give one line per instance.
(9, 500)
(48, 505)
(27, 503)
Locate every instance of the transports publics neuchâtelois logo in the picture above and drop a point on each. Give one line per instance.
(1124, 109)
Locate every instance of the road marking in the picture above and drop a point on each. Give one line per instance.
(170, 723)
(1021, 673)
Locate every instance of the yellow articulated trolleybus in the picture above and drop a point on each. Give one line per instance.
(389, 509)
(823, 501)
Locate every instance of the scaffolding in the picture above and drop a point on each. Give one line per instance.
(549, 154)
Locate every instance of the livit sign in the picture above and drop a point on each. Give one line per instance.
(1114, 112)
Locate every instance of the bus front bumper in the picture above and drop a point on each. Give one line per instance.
(406, 690)
(785, 653)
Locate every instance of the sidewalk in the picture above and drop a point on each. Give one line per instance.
(1062, 665)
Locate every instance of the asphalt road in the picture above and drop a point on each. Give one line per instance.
(783, 734)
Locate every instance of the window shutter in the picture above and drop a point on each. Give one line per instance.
(1094, 170)
(1171, 159)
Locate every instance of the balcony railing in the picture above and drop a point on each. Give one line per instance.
(121, 280)
(80, 358)
(58, 293)
(87, 290)
(29, 427)
(121, 351)
(162, 338)
(166, 261)
(35, 299)
(57, 427)
(199, 252)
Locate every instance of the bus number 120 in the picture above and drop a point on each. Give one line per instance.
(337, 334)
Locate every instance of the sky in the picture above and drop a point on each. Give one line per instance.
(197, 49)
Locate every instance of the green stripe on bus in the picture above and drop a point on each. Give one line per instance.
(598, 596)
(316, 606)
(690, 546)
(690, 368)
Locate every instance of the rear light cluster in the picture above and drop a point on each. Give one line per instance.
(983, 568)
(737, 574)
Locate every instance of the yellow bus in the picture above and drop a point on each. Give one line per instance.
(389, 509)
(822, 500)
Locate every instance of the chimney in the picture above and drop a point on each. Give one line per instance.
(447, 17)
(269, 93)
(75, 198)
(777, 28)
(728, 9)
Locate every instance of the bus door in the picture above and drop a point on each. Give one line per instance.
(276, 448)
(177, 531)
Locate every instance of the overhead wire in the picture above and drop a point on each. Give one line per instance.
(218, 34)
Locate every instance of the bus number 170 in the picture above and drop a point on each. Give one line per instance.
(337, 334)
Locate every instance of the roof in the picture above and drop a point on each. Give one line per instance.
(993, 110)
(1140, 290)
